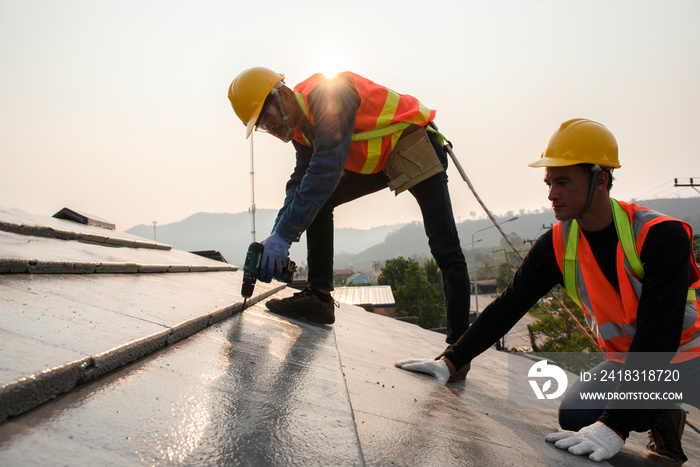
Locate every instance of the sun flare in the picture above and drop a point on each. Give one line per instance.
(330, 65)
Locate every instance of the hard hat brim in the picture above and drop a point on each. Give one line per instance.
(253, 120)
(552, 162)
(562, 162)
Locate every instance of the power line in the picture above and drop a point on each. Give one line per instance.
(668, 189)
(691, 184)
(666, 183)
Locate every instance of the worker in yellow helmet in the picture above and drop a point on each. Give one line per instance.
(633, 272)
(352, 137)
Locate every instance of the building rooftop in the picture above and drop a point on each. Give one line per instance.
(119, 351)
(362, 278)
(379, 295)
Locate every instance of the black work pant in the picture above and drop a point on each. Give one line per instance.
(434, 201)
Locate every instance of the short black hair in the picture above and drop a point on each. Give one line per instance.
(588, 168)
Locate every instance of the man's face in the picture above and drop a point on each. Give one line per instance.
(271, 121)
(568, 191)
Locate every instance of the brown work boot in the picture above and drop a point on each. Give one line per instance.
(307, 304)
(460, 374)
(665, 438)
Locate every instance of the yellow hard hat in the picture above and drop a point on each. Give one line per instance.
(248, 91)
(580, 141)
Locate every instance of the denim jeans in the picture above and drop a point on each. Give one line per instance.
(434, 201)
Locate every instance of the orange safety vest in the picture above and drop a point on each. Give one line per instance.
(612, 316)
(381, 118)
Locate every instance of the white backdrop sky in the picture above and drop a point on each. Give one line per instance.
(119, 108)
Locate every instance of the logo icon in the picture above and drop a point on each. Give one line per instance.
(542, 370)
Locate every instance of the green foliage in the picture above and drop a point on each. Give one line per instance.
(432, 272)
(302, 272)
(487, 269)
(394, 272)
(558, 330)
(341, 279)
(505, 274)
(417, 290)
(574, 362)
(514, 238)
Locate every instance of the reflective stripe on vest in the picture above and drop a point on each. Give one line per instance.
(382, 116)
(610, 315)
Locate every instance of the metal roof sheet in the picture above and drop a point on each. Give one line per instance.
(378, 295)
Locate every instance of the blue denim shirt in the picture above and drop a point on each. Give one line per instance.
(319, 168)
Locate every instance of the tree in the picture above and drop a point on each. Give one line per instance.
(432, 272)
(414, 294)
(505, 274)
(486, 270)
(515, 239)
(418, 297)
(558, 329)
(394, 272)
(302, 272)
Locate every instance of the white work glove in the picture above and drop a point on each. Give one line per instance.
(598, 440)
(436, 368)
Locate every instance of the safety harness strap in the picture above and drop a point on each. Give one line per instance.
(380, 132)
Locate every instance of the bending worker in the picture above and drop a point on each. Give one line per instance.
(352, 137)
(633, 272)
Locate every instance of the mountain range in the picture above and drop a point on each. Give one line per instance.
(361, 249)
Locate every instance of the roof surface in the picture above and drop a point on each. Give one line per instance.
(163, 368)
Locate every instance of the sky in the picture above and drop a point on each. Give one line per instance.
(119, 109)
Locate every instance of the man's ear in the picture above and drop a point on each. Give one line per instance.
(603, 179)
(285, 92)
(287, 96)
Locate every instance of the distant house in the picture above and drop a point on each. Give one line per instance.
(377, 299)
(486, 286)
(362, 278)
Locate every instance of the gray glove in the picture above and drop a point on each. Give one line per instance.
(436, 368)
(598, 440)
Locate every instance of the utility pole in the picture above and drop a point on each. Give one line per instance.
(691, 184)
(505, 252)
(154, 230)
(252, 187)
(476, 281)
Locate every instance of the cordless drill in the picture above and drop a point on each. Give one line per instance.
(251, 270)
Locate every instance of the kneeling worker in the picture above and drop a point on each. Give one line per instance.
(634, 274)
(352, 137)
